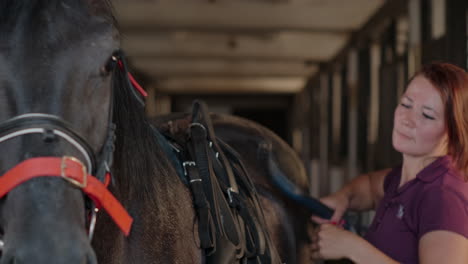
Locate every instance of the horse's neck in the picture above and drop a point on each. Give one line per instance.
(161, 205)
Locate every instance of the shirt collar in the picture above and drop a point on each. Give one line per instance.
(437, 168)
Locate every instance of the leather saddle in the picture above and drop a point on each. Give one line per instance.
(231, 224)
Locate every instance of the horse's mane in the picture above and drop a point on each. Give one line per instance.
(138, 155)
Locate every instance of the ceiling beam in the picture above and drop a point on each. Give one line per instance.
(189, 57)
(313, 15)
(205, 67)
(208, 85)
(286, 45)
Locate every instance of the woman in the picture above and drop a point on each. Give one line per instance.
(422, 205)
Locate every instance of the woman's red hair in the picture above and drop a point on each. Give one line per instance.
(452, 83)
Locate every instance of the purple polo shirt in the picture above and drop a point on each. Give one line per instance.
(437, 199)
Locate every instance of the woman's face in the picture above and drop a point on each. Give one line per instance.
(419, 124)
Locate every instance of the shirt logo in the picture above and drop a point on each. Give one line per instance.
(401, 211)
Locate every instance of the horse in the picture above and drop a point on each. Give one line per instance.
(75, 140)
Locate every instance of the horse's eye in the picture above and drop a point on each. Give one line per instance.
(109, 66)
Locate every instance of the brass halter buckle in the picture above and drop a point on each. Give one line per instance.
(80, 182)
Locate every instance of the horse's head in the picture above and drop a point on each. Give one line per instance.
(55, 101)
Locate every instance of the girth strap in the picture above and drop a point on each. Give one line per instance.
(223, 218)
(200, 115)
(241, 224)
(206, 227)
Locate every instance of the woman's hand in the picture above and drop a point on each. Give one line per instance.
(339, 202)
(332, 242)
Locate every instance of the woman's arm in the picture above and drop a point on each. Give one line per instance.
(331, 242)
(360, 194)
(442, 226)
(365, 191)
(435, 247)
(366, 253)
(443, 247)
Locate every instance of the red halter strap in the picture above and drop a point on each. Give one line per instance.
(135, 84)
(72, 170)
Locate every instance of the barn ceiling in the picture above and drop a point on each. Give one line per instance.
(226, 46)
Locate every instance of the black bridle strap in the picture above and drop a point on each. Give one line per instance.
(48, 125)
